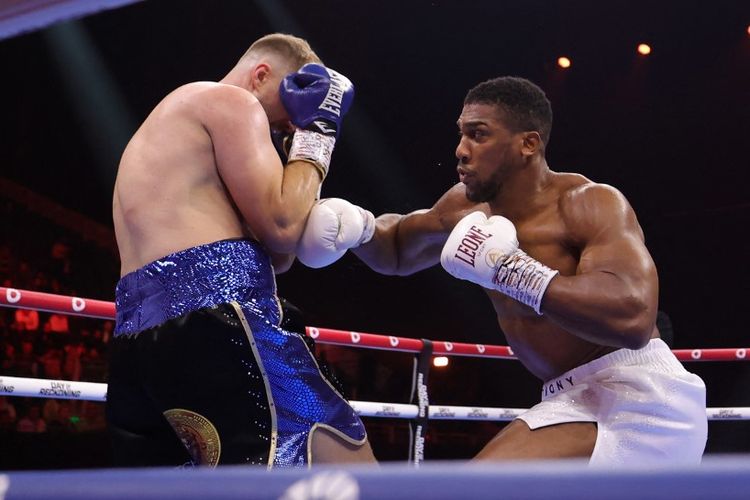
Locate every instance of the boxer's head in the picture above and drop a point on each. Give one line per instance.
(268, 60)
(522, 105)
(504, 123)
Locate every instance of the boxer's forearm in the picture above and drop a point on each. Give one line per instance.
(289, 206)
(602, 308)
(401, 245)
(381, 253)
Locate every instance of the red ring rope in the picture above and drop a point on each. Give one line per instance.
(90, 308)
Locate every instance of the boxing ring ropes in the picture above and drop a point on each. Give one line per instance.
(342, 482)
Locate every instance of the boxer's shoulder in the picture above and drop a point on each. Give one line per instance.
(206, 100)
(454, 206)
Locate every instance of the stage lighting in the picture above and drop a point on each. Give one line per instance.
(440, 361)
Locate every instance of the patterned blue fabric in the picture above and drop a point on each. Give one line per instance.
(240, 271)
(198, 277)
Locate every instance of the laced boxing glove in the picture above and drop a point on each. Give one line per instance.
(485, 251)
(316, 98)
(333, 226)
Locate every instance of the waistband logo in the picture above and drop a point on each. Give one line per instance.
(557, 386)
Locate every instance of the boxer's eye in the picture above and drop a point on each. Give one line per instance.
(478, 134)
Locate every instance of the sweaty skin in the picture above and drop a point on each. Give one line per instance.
(202, 168)
(605, 297)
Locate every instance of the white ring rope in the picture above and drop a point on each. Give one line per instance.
(91, 391)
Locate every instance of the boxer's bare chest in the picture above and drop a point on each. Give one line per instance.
(544, 347)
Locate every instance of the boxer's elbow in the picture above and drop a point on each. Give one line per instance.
(282, 238)
(636, 322)
(377, 257)
(636, 339)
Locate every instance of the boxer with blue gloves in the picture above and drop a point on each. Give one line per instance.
(316, 98)
(205, 214)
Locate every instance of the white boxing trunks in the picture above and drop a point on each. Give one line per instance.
(647, 407)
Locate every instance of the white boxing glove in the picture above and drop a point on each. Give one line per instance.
(485, 251)
(333, 226)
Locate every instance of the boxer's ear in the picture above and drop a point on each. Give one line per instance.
(531, 143)
(260, 74)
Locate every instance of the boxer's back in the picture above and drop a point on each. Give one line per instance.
(168, 195)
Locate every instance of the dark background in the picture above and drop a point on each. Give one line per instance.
(670, 131)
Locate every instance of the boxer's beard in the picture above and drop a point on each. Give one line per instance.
(484, 191)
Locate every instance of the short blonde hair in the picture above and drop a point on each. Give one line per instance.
(294, 50)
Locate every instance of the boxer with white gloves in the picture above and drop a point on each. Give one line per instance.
(485, 251)
(563, 262)
(333, 226)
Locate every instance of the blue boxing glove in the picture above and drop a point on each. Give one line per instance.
(316, 98)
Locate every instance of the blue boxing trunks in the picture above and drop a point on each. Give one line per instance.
(201, 372)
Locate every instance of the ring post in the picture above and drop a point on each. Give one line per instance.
(420, 397)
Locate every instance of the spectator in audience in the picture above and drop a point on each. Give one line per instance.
(23, 275)
(40, 282)
(64, 422)
(60, 262)
(51, 410)
(7, 406)
(92, 418)
(8, 359)
(72, 362)
(26, 320)
(51, 362)
(7, 421)
(26, 364)
(57, 323)
(92, 365)
(107, 328)
(32, 421)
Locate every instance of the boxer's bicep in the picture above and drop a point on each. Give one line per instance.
(273, 200)
(611, 242)
(612, 297)
(245, 157)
